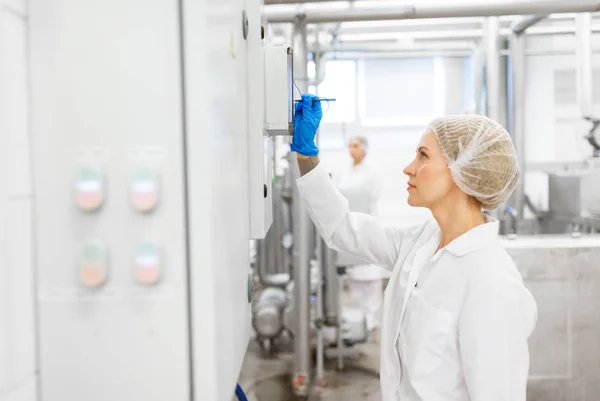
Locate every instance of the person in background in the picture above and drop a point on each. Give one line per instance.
(360, 183)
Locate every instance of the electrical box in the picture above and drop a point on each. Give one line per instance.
(270, 113)
(279, 61)
(260, 149)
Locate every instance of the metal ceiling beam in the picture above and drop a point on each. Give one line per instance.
(438, 9)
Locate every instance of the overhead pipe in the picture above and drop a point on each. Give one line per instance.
(453, 35)
(507, 22)
(438, 38)
(521, 26)
(447, 23)
(420, 10)
(400, 55)
(375, 47)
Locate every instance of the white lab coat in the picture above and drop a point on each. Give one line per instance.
(455, 323)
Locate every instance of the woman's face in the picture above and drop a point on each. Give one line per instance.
(356, 151)
(429, 178)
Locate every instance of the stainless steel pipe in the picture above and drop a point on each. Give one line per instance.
(303, 244)
(492, 62)
(518, 69)
(529, 21)
(439, 9)
(332, 295)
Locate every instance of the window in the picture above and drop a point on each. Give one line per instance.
(339, 83)
(398, 91)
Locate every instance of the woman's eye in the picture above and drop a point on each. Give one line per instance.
(423, 155)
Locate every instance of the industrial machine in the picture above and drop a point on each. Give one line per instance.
(274, 311)
(139, 156)
(575, 194)
(136, 166)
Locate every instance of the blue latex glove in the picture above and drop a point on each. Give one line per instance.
(306, 122)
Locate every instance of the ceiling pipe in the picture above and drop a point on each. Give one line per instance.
(463, 34)
(399, 54)
(391, 48)
(522, 25)
(438, 9)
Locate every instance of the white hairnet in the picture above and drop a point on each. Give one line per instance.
(481, 157)
(361, 140)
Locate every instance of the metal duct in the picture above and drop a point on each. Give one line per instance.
(438, 9)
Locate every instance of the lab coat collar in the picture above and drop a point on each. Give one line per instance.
(474, 239)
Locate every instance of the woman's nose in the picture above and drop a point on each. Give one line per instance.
(409, 170)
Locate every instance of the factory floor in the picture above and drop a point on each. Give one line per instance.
(268, 377)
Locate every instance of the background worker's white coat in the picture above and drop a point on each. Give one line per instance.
(361, 186)
(456, 322)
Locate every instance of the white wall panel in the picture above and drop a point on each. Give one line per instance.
(217, 160)
(17, 310)
(106, 92)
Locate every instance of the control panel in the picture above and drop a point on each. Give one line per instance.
(270, 113)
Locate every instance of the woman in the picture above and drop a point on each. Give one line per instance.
(359, 182)
(457, 315)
